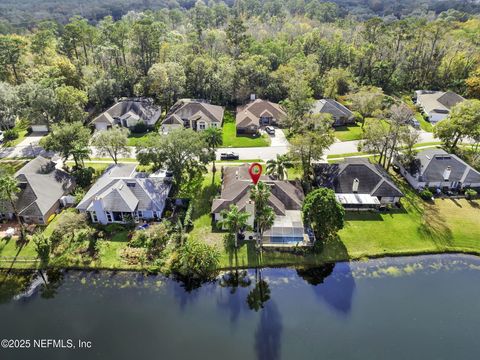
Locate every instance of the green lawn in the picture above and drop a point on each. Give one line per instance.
(231, 139)
(349, 133)
(12, 165)
(22, 132)
(136, 139)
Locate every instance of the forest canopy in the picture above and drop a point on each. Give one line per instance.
(223, 52)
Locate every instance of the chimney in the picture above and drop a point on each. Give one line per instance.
(252, 97)
(355, 184)
(446, 173)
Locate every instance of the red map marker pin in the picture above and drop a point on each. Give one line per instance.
(255, 171)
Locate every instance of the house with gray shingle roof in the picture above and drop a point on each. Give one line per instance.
(121, 194)
(127, 113)
(194, 114)
(257, 113)
(42, 186)
(341, 114)
(436, 104)
(358, 184)
(286, 199)
(435, 168)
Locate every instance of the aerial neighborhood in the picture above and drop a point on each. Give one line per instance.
(138, 149)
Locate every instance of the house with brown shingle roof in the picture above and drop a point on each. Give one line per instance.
(194, 114)
(257, 113)
(436, 104)
(286, 199)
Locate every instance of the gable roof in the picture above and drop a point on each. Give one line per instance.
(373, 179)
(137, 109)
(434, 162)
(437, 101)
(122, 189)
(330, 106)
(236, 185)
(250, 113)
(41, 186)
(190, 109)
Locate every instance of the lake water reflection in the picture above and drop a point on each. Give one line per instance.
(403, 308)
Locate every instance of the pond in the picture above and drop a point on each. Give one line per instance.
(402, 308)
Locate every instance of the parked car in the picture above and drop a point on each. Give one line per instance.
(229, 156)
(270, 130)
(415, 123)
(1, 136)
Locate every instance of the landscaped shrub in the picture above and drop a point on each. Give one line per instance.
(140, 127)
(426, 194)
(114, 228)
(11, 134)
(470, 194)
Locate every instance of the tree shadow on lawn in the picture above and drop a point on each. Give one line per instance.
(474, 204)
(202, 204)
(363, 216)
(434, 226)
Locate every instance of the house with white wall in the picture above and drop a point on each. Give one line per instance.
(436, 104)
(435, 168)
(198, 115)
(122, 194)
(128, 113)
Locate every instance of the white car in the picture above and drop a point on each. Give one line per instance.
(1, 136)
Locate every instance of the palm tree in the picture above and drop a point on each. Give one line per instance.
(278, 167)
(264, 214)
(8, 193)
(213, 138)
(264, 219)
(234, 220)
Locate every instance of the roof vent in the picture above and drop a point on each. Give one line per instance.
(355, 184)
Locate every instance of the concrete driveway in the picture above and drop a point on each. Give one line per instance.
(278, 139)
(27, 148)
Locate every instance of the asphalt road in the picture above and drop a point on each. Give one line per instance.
(279, 145)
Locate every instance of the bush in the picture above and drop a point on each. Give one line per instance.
(140, 127)
(426, 194)
(83, 176)
(195, 260)
(11, 134)
(114, 228)
(470, 194)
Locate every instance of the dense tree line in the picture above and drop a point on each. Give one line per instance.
(223, 53)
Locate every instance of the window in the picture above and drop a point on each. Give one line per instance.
(140, 213)
(201, 126)
(94, 216)
(109, 217)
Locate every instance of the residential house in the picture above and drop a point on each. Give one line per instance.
(435, 168)
(436, 104)
(286, 199)
(257, 113)
(121, 195)
(128, 113)
(341, 114)
(358, 184)
(194, 114)
(43, 190)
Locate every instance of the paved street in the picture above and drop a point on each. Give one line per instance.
(279, 145)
